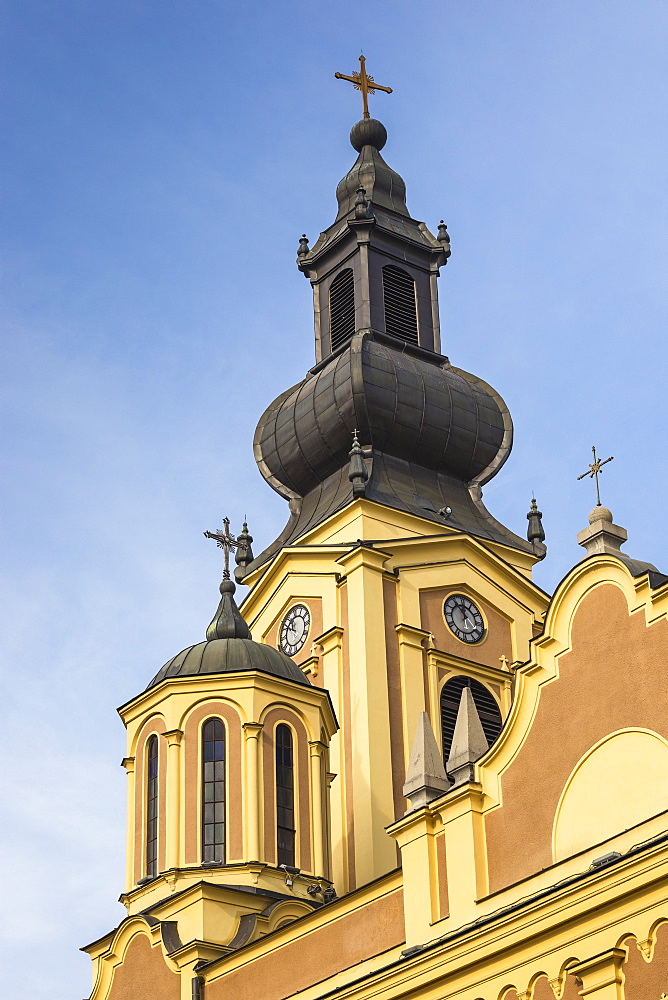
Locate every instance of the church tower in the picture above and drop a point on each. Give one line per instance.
(375, 775)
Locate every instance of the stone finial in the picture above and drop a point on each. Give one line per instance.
(535, 532)
(469, 742)
(303, 246)
(227, 622)
(357, 473)
(602, 536)
(425, 778)
(244, 554)
(444, 238)
(362, 206)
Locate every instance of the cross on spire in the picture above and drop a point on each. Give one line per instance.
(594, 470)
(362, 81)
(226, 542)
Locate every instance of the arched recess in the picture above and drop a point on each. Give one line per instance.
(153, 726)
(274, 718)
(620, 782)
(136, 965)
(642, 978)
(193, 780)
(485, 702)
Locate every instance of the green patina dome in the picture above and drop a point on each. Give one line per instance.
(229, 656)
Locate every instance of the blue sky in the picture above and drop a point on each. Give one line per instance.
(161, 161)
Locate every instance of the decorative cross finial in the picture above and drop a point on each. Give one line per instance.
(593, 472)
(362, 81)
(226, 542)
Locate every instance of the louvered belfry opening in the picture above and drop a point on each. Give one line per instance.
(342, 308)
(488, 710)
(399, 302)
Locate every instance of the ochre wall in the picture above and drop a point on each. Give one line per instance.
(144, 975)
(368, 931)
(643, 980)
(614, 677)
(233, 795)
(300, 752)
(497, 642)
(314, 604)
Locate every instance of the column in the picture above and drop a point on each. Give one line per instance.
(173, 825)
(373, 804)
(129, 764)
(252, 792)
(460, 812)
(316, 752)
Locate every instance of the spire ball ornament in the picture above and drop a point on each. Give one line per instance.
(368, 132)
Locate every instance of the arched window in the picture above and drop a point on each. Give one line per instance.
(285, 796)
(342, 308)
(213, 790)
(399, 302)
(488, 710)
(152, 807)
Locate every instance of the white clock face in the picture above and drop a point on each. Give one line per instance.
(463, 618)
(294, 629)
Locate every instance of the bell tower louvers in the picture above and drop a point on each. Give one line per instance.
(375, 268)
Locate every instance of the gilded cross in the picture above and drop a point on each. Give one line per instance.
(362, 81)
(226, 542)
(594, 470)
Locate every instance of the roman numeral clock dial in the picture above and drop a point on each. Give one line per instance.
(463, 618)
(294, 629)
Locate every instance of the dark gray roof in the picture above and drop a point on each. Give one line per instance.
(224, 656)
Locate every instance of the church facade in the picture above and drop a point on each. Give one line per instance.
(399, 768)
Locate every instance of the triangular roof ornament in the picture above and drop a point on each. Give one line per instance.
(425, 778)
(469, 742)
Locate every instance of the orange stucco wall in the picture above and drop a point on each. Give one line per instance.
(156, 724)
(193, 784)
(302, 784)
(144, 975)
(312, 958)
(497, 642)
(643, 980)
(612, 678)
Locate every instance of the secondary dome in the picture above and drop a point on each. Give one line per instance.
(228, 656)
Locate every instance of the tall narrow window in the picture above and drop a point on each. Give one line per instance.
(213, 791)
(342, 308)
(399, 302)
(285, 796)
(152, 807)
(485, 703)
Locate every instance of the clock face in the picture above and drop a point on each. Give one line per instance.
(294, 629)
(463, 618)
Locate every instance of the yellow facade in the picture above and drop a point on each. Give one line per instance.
(541, 872)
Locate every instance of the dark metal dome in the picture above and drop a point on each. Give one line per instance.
(432, 415)
(228, 656)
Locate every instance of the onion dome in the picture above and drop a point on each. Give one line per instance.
(229, 648)
(428, 435)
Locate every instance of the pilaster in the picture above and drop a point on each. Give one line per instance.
(411, 669)
(369, 712)
(331, 643)
(460, 812)
(415, 835)
(252, 791)
(173, 824)
(129, 764)
(316, 756)
(601, 975)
